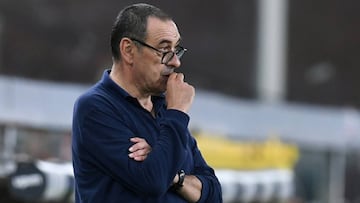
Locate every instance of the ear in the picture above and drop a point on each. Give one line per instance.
(126, 48)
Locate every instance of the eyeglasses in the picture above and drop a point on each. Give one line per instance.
(167, 55)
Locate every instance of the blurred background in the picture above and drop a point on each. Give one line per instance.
(277, 105)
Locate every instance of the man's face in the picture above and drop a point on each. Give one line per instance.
(151, 75)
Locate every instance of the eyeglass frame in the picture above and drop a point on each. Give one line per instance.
(181, 50)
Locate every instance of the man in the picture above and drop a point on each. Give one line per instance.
(131, 141)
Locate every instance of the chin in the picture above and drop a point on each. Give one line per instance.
(160, 90)
(158, 93)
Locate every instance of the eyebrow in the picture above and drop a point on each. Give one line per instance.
(165, 41)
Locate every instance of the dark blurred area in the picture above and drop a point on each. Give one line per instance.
(68, 41)
(324, 48)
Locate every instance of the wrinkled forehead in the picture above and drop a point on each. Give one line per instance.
(159, 31)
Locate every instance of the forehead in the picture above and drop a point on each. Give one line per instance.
(159, 31)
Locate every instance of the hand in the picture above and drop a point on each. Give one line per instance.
(176, 179)
(140, 149)
(179, 94)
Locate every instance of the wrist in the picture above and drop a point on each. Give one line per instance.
(179, 181)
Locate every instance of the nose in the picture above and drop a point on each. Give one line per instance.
(174, 62)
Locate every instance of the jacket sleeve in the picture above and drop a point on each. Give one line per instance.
(102, 140)
(211, 188)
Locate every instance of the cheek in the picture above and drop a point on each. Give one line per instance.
(149, 67)
(151, 74)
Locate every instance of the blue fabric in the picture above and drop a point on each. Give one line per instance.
(104, 120)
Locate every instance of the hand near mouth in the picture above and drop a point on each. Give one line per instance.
(179, 94)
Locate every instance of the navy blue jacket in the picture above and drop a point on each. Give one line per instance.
(104, 120)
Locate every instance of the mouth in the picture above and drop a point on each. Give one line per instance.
(165, 78)
(167, 72)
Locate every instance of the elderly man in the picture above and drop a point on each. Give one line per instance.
(131, 141)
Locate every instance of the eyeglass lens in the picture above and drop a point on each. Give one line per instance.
(169, 55)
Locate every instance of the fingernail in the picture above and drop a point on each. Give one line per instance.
(131, 155)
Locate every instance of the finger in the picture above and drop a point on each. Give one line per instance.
(140, 158)
(180, 76)
(136, 139)
(137, 146)
(137, 158)
(173, 76)
(141, 152)
(135, 154)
